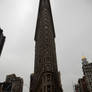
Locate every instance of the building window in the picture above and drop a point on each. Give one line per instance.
(41, 90)
(48, 88)
(48, 77)
(44, 78)
(46, 27)
(44, 88)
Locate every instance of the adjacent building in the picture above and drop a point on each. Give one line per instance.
(82, 85)
(12, 84)
(87, 71)
(0, 87)
(46, 77)
(76, 88)
(2, 40)
(5, 87)
(85, 83)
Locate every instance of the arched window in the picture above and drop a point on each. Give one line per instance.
(48, 77)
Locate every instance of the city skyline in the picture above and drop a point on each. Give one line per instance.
(73, 37)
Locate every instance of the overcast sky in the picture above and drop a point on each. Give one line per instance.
(73, 28)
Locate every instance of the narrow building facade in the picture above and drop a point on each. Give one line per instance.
(46, 77)
(87, 71)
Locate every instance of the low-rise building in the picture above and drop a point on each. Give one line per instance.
(81, 86)
(12, 84)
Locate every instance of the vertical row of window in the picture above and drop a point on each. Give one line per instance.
(47, 88)
(45, 20)
(47, 78)
(46, 60)
(47, 83)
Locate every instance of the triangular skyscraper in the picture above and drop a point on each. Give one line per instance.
(46, 77)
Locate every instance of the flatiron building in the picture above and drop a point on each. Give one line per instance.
(46, 77)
